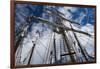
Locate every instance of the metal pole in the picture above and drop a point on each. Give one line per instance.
(79, 45)
(68, 46)
(55, 49)
(31, 53)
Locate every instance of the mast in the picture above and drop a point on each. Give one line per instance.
(31, 53)
(70, 53)
(79, 44)
(54, 48)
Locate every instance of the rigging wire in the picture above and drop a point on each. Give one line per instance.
(46, 52)
(49, 48)
(39, 54)
(27, 56)
(42, 44)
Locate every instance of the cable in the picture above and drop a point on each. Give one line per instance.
(39, 54)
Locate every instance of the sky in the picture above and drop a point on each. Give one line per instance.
(80, 14)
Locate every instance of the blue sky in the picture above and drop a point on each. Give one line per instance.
(37, 10)
(89, 13)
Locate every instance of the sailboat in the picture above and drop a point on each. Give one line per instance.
(54, 39)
